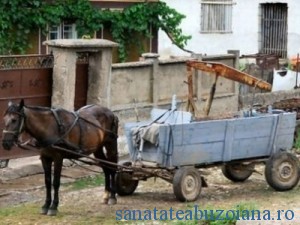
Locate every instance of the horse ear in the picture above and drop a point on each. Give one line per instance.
(21, 105)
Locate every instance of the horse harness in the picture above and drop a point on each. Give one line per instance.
(60, 141)
(63, 133)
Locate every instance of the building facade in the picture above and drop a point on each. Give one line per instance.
(251, 26)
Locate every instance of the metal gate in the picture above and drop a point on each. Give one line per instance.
(29, 77)
(274, 29)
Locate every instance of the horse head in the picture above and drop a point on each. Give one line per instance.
(14, 124)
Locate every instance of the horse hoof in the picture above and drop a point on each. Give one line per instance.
(105, 201)
(44, 211)
(52, 212)
(112, 201)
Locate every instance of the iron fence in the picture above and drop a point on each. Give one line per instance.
(28, 62)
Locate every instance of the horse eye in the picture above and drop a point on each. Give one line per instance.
(13, 120)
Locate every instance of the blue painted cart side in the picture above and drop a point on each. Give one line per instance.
(214, 141)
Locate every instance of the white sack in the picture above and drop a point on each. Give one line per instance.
(285, 83)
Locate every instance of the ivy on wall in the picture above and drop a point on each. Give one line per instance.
(19, 18)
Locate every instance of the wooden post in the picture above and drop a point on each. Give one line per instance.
(191, 106)
(211, 95)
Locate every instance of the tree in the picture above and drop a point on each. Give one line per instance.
(16, 24)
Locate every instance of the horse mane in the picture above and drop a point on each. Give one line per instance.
(45, 108)
(39, 108)
(14, 108)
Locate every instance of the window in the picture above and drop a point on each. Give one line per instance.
(69, 31)
(63, 31)
(54, 32)
(216, 16)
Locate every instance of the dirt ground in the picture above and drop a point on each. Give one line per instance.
(77, 206)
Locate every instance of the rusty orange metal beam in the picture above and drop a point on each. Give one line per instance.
(230, 73)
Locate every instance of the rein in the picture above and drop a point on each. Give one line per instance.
(96, 161)
(108, 164)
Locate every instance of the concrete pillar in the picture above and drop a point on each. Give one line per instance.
(153, 57)
(237, 57)
(64, 74)
(64, 70)
(100, 78)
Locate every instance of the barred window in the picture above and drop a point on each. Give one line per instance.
(216, 16)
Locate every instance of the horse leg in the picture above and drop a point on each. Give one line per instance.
(109, 196)
(100, 155)
(112, 156)
(112, 199)
(56, 184)
(47, 163)
(106, 193)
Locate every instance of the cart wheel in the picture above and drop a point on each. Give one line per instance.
(125, 185)
(187, 184)
(282, 171)
(238, 172)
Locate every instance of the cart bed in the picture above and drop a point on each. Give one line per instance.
(214, 141)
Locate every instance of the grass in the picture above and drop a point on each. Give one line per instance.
(28, 214)
(88, 182)
(297, 148)
(222, 220)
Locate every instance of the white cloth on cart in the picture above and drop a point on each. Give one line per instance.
(147, 133)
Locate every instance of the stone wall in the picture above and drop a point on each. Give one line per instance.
(139, 86)
(267, 98)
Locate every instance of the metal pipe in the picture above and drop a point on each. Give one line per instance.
(297, 60)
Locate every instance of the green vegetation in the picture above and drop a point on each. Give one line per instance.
(17, 25)
(28, 214)
(79, 213)
(88, 182)
(297, 140)
(216, 218)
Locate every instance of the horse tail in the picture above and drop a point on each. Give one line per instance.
(115, 126)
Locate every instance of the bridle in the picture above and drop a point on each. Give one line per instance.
(20, 128)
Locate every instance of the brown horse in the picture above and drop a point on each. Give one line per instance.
(86, 131)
